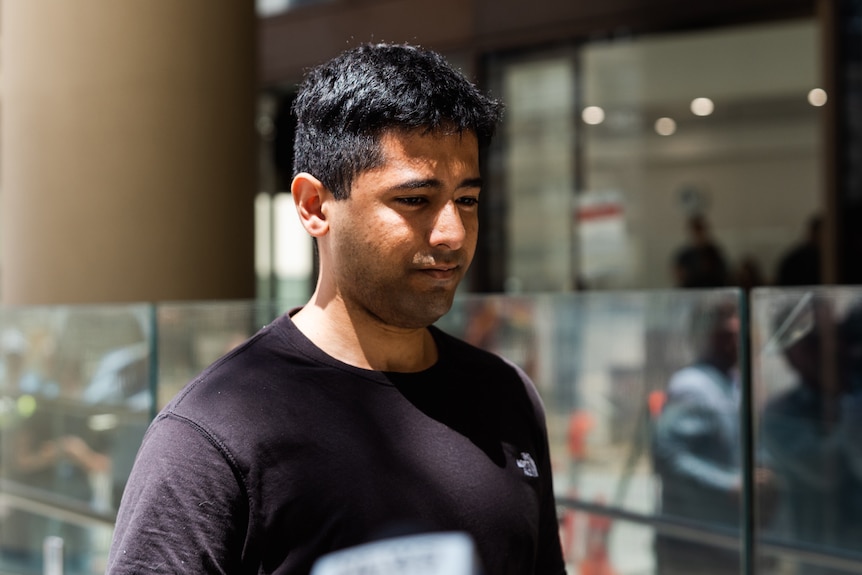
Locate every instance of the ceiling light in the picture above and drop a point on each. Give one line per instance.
(665, 126)
(593, 115)
(817, 97)
(702, 106)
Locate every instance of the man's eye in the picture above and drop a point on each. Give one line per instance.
(411, 201)
(468, 201)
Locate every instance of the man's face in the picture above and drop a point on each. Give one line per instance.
(725, 339)
(402, 241)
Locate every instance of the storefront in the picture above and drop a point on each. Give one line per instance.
(624, 124)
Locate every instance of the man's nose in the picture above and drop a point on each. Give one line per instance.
(448, 229)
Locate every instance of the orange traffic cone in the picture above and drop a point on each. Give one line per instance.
(596, 559)
(568, 531)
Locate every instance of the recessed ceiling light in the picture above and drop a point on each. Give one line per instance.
(665, 126)
(817, 97)
(702, 106)
(593, 115)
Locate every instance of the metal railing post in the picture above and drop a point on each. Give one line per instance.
(52, 552)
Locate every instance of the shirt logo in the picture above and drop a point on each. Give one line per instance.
(528, 465)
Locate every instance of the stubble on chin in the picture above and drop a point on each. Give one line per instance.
(412, 310)
(394, 297)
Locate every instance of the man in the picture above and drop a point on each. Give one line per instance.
(800, 266)
(700, 263)
(351, 418)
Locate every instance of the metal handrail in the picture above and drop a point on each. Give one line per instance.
(26, 498)
(725, 537)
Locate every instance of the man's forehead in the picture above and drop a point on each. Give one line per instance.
(434, 132)
(418, 154)
(424, 141)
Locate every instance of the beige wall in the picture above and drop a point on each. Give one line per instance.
(128, 150)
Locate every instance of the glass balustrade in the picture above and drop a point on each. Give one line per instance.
(692, 431)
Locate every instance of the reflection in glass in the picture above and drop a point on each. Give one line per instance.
(697, 446)
(75, 391)
(810, 423)
(602, 363)
(192, 335)
(703, 114)
(539, 143)
(641, 391)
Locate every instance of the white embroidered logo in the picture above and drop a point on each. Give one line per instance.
(528, 465)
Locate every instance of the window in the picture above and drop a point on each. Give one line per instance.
(609, 148)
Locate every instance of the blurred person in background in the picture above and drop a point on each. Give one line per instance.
(749, 274)
(697, 447)
(800, 266)
(701, 262)
(50, 450)
(16, 375)
(813, 430)
(353, 417)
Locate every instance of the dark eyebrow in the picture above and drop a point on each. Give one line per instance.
(471, 183)
(434, 183)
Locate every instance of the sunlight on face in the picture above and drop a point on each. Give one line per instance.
(403, 240)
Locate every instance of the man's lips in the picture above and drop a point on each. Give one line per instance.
(441, 272)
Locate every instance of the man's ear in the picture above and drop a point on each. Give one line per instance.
(308, 195)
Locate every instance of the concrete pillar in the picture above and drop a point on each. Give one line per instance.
(127, 160)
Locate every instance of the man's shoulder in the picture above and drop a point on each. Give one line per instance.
(244, 375)
(695, 379)
(465, 354)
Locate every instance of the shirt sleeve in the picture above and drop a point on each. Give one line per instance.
(184, 510)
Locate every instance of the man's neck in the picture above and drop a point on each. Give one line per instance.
(362, 341)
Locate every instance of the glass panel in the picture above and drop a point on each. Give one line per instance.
(284, 256)
(642, 394)
(598, 543)
(75, 398)
(715, 125)
(539, 143)
(640, 388)
(807, 376)
(192, 335)
(611, 153)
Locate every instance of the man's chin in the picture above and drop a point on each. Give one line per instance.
(421, 314)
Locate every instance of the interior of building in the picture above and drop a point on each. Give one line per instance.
(146, 228)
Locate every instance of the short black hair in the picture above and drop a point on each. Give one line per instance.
(345, 105)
